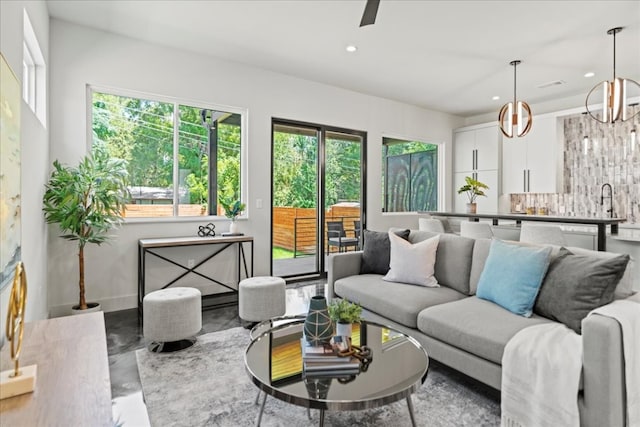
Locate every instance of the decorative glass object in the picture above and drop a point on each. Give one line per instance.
(318, 327)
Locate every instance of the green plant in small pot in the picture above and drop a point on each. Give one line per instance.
(473, 188)
(87, 202)
(231, 210)
(344, 314)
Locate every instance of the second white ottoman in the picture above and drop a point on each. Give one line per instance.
(172, 315)
(261, 298)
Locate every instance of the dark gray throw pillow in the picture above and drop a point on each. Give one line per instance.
(576, 284)
(377, 251)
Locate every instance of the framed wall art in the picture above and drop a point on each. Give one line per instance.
(10, 201)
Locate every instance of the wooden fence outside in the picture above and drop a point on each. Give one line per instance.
(166, 210)
(294, 229)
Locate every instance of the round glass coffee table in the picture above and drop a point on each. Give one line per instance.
(274, 363)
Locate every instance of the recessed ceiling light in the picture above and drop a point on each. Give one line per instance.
(495, 98)
(589, 74)
(351, 48)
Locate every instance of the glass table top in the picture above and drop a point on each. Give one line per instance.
(398, 367)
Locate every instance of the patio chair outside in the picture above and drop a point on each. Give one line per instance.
(336, 236)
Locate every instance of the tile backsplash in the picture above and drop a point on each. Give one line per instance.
(610, 154)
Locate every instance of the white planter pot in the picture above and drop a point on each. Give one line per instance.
(233, 227)
(92, 307)
(344, 329)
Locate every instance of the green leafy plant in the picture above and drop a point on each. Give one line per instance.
(473, 188)
(231, 209)
(86, 202)
(344, 311)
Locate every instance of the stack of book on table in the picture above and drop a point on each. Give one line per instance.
(323, 360)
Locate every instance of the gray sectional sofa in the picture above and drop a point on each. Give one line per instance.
(469, 334)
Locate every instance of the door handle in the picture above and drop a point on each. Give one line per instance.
(524, 180)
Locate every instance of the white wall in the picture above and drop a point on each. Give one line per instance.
(82, 56)
(34, 155)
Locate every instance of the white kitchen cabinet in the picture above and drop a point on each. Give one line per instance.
(529, 164)
(464, 147)
(477, 154)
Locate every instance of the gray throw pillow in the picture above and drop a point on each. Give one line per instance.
(576, 284)
(377, 251)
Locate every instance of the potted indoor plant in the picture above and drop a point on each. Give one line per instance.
(86, 202)
(473, 188)
(231, 210)
(344, 314)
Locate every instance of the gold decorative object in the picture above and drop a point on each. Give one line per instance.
(17, 381)
(614, 93)
(511, 114)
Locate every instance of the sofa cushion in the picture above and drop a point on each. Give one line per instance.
(577, 284)
(477, 326)
(480, 253)
(512, 276)
(625, 286)
(412, 263)
(376, 250)
(453, 259)
(397, 301)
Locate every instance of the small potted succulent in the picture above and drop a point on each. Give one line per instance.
(344, 314)
(231, 210)
(473, 188)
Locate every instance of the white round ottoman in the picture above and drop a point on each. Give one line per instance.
(172, 318)
(261, 298)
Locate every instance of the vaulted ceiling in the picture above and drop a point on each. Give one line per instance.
(450, 56)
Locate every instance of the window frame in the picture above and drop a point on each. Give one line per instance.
(244, 142)
(34, 83)
(441, 173)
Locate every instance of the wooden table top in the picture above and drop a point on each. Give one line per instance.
(72, 381)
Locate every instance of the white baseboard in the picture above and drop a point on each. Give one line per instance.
(108, 305)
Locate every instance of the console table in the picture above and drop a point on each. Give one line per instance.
(216, 245)
(600, 222)
(72, 381)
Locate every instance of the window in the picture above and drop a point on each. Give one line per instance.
(409, 176)
(182, 159)
(33, 72)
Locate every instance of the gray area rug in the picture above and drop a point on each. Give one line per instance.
(207, 385)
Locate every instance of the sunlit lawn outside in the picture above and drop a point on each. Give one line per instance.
(280, 253)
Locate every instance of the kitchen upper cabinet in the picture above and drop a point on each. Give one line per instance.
(476, 153)
(529, 164)
(477, 149)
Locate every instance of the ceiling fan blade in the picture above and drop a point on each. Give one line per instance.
(370, 12)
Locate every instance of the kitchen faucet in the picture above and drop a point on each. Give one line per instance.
(610, 197)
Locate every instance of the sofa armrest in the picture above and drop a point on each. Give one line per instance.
(604, 401)
(341, 265)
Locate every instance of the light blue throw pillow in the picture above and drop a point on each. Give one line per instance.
(512, 276)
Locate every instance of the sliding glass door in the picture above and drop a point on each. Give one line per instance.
(317, 195)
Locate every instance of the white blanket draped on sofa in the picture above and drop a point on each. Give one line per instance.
(541, 368)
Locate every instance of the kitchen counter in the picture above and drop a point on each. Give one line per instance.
(600, 223)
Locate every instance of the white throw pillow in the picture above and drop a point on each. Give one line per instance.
(413, 263)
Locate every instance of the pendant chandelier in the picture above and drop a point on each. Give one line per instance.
(511, 116)
(614, 97)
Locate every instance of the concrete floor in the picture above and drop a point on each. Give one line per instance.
(124, 337)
